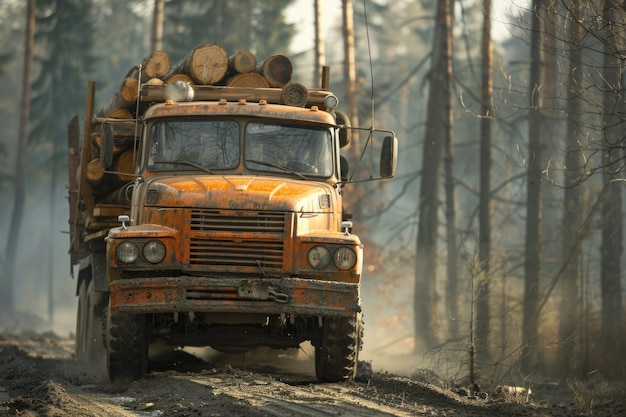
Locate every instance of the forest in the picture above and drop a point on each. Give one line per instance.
(496, 254)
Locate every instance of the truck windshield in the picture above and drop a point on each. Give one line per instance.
(277, 147)
(194, 144)
(214, 145)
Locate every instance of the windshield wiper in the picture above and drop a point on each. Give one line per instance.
(191, 164)
(282, 168)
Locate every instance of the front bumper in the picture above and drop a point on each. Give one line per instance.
(270, 296)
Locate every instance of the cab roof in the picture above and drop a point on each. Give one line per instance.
(241, 108)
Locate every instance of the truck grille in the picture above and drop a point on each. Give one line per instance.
(236, 239)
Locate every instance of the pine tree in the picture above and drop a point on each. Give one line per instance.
(65, 42)
(244, 25)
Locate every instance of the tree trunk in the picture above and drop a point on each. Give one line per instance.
(319, 51)
(570, 311)
(484, 215)
(349, 70)
(156, 40)
(352, 109)
(7, 302)
(452, 260)
(533, 195)
(425, 296)
(612, 338)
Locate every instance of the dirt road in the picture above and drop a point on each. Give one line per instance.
(38, 377)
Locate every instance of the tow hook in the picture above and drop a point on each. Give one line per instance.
(259, 290)
(279, 297)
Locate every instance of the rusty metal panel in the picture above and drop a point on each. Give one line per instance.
(267, 111)
(240, 239)
(235, 295)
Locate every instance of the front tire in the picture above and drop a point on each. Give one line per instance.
(127, 347)
(336, 356)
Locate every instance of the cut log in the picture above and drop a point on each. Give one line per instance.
(120, 114)
(294, 94)
(179, 77)
(123, 137)
(206, 65)
(155, 66)
(248, 79)
(156, 93)
(241, 62)
(129, 90)
(125, 164)
(277, 69)
(95, 173)
(123, 99)
(154, 81)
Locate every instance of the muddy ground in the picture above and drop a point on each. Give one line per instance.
(39, 377)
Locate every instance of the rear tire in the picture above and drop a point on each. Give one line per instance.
(91, 305)
(127, 347)
(336, 356)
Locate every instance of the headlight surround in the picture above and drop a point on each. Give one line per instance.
(127, 252)
(319, 257)
(154, 251)
(344, 258)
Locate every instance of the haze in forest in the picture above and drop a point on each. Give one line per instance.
(401, 33)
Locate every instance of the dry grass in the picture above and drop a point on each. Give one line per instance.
(599, 398)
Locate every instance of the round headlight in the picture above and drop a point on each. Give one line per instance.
(319, 257)
(331, 101)
(345, 258)
(127, 252)
(154, 251)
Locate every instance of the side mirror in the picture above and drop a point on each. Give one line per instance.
(345, 169)
(107, 138)
(115, 137)
(389, 157)
(345, 133)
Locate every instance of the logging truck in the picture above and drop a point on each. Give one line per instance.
(209, 212)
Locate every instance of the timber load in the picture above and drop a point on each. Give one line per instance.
(214, 74)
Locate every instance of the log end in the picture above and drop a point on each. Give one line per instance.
(129, 90)
(242, 61)
(248, 80)
(277, 69)
(179, 77)
(208, 64)
(294, 94)
(95, 173)
(157, 65)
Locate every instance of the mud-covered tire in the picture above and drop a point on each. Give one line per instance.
(127, 347)
(337, 354)
(91, 305)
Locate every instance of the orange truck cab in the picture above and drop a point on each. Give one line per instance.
(229, 231)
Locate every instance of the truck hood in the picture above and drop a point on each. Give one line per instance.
(240, 193)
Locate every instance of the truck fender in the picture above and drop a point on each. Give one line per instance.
(94, 267)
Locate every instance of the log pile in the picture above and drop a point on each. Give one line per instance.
(208, 66)
(205, 65)
(122, 164)
(108, 174)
